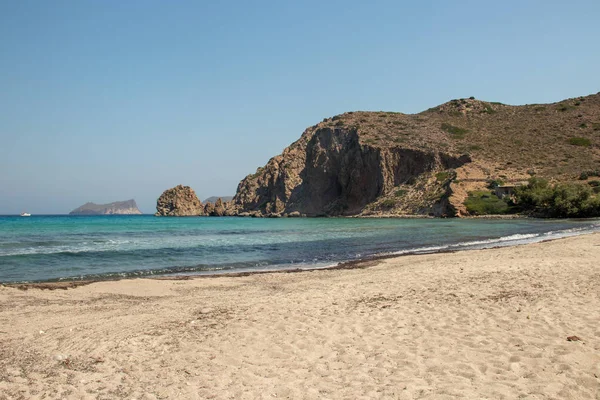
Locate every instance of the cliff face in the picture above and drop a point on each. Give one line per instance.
(118, 207)
(330, 172)
(388, 163)
(179, 201)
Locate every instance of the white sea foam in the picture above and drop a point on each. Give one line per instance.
(502, 241)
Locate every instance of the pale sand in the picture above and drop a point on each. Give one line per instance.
(489, 324)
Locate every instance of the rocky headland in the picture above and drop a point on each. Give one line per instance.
(127, 207)
(393, 164)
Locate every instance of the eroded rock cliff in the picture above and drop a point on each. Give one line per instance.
(330, 171)
(179, 201)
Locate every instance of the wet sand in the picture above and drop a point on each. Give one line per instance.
(490, 324)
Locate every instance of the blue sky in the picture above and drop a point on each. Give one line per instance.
(110, 100)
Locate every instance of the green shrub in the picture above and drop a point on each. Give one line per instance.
(579, 141)
(388, 203)
(561, 200)
(442, 176)
(485, 203)
(258, 172)
(494, 183)
(489, 110)
(586, 174)
(565, 107)
(454, 130)
(400, 192)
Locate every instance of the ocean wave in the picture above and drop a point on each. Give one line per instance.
(48, 248)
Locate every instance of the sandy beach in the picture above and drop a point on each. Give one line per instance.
(484, 324)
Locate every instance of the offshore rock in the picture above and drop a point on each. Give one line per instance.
(179, 201)
(219, 210)
(209, 208)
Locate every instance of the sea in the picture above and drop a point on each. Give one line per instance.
(60, 248)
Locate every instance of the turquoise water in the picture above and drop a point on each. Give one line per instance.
(46, 248)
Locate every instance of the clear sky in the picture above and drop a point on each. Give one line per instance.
(110, 100)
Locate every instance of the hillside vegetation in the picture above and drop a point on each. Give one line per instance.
(553, 140)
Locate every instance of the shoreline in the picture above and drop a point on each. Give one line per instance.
(361, 263)
(502, 323)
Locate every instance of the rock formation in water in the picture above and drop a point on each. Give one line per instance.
(387, 163)
(116, 208)
(179, 201)
(219, 208)
(209, 208)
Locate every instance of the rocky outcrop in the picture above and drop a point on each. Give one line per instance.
(209, 208)
(178, 202)
(127, 207)
(220, 208)
(331, 172)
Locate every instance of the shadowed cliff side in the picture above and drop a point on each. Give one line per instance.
(330, 172)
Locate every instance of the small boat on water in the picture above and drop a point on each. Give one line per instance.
(24, 214)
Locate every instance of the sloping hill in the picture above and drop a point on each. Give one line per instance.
(392, 163)
(213, 199)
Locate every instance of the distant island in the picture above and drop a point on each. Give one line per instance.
(213, 199)
(117, 207)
